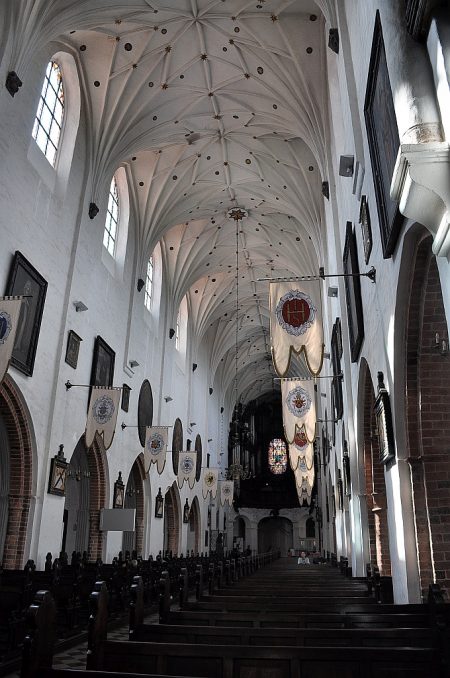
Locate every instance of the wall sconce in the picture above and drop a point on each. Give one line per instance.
(211, 390)
(171, 333)
(194, 366)
(192, 424)
(133, 364)
(140, 284)
(168, 399)
(210, 440)
(332, 291)
(80, 306)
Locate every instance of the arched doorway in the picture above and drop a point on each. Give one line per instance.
(193, 534)
(275, 534)
(374, 478)
(85, 496)
(15, 475)
(427, 414)
(172, 520)
(134, 499)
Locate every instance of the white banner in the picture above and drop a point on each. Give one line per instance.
(296, 325)
(102, 414)
(300, 447)
(187, 462)
(226, 492)
(299, 409)
(210, 476)
(304, 481)
(9, 320)
(296, 456)
(155, 449)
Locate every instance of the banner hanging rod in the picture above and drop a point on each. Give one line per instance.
(124, 426)
(371, 274)
(324, 376)
(69, 385)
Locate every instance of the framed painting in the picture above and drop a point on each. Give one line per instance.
(355, 314)
(102, 373)
(384, 141)
(125, 402)
(25, 280)
(336, 384)
(119, 493)
(366, 228)
(73, 349)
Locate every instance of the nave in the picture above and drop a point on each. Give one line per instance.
(262, 616)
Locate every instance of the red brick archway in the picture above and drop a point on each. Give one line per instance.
(18, 426)
(427, 416)
(375, 487)
(172, 520)
(97, 496)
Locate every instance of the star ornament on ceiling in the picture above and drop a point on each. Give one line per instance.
(237, 213)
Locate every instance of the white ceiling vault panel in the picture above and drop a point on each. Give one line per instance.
(209, 104)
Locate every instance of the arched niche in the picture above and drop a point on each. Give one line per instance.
(135, 499)
(275, 533)
(86, 485)
(193, 532)
(16, 474)
(177, 443)
(172, 520)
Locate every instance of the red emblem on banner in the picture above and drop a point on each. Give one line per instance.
(296, 312)
(300, 439)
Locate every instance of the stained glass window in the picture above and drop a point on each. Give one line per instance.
(50, 112)
(277, 456)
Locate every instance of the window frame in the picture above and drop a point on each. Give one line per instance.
(113, 199)
(46, 105)
(149, 284)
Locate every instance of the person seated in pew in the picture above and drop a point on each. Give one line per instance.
(303, 559)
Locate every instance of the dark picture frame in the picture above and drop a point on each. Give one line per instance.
(58, 474)
(336, 384)
(119, 493)
(355, 313)
(383, 415)
(384, 140)
(159, 505)
(125, 402)
(72, 349)
(366, 228)
(25, 280)
(186, 512)
(102, 373)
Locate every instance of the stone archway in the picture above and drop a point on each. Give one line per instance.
(16, 455)
(193, 534)
(172, 520)
(428, 423)
(275, 534)
(375, 487)
(134, 498)
(85, 497)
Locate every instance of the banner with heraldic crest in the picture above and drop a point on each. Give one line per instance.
(156, 440)
(296, 325)
(299, 410)
(102, 414)
(210, 476)
(187, 462)
(300, 448)
(226, 492)
(9, 320)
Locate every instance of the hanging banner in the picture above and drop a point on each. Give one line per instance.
(9, 319)
(187, 462)
(300, 447)
(210, 476)
(155, 449)
(304, 481)
(299, 410)
(102, 414)
(226, 492)
(296, 325)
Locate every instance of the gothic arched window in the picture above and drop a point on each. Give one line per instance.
(112, 219)
(50, 113)
(277, 456)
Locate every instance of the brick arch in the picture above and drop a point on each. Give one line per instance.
(19, 430)
(172, 520)
(194, 526)
(375, 487)
(98, 483)
(137, 477)
(428, 423)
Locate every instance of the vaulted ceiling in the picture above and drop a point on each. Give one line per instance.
(209, 104)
